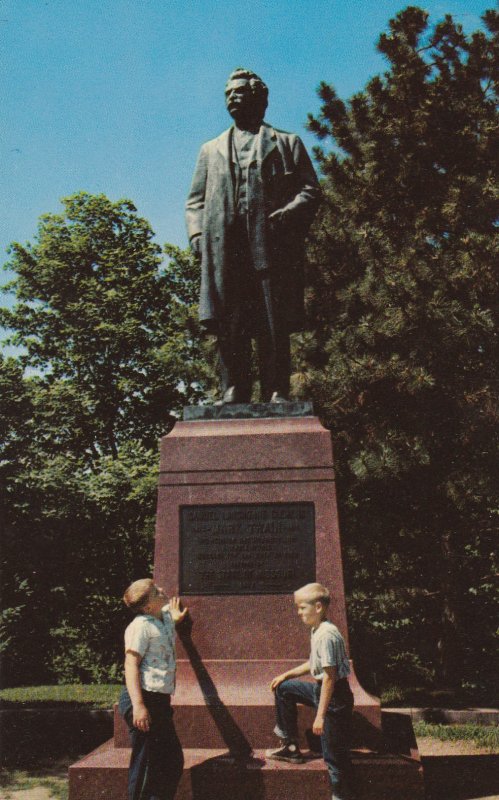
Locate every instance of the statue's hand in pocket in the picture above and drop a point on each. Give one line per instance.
(196, 245)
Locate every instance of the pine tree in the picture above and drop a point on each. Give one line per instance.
(403, 359)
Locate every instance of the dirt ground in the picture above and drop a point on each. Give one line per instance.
(437, 747)
(44, 794)
(55, 773)
(38, 793)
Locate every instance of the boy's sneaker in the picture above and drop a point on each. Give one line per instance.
(289, 752)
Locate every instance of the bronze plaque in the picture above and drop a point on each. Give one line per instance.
(246, 548)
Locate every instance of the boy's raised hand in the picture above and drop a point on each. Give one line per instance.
(177, 614)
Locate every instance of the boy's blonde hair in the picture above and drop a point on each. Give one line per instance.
(137, 594)
(313, 593)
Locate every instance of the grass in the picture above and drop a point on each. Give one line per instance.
(50, 776)
(418, 697)
(96, 696)
(105, 695)
(486, 736)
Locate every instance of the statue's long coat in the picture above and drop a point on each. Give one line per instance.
(281, 176)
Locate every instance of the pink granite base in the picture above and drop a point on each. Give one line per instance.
(262, 461)
(231, 705)
(211, 774)
(233, 645)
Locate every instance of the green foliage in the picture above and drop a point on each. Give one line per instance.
(402, 363)
(111, 353)
(14, 421)
(104, 321)
(85, 535)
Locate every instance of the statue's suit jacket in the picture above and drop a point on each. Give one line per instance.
(281, 176)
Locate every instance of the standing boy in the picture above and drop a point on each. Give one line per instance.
(330, 695)
(157, 761)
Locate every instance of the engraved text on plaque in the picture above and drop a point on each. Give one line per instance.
(246, 548)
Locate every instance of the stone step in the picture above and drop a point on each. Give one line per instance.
(210, 774)
(243, 728)
(229, 703)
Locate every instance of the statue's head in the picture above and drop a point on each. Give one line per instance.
(246, 96)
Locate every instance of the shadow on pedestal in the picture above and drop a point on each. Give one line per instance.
(224, 776)
(237, 743)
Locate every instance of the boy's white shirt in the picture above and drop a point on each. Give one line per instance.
(154, 640)
(327, 649)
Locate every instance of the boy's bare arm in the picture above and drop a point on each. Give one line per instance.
(296, 672)
(141, 718)
(327, 688)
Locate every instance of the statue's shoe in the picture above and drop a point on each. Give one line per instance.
(230, 396)
(278, 398)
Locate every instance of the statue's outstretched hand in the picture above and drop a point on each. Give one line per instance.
(277, 217)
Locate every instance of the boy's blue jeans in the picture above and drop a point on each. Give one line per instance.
(335, 740)
(157, 760)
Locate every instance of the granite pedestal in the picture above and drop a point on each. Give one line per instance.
(246, 514)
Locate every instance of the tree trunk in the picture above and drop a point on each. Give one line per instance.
(448, 644)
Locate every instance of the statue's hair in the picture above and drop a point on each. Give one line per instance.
(258, 87)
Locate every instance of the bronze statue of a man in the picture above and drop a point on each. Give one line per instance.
(253, 197)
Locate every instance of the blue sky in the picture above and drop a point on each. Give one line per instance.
(116, 96)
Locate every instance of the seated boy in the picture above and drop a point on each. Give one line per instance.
(157, 760)
(330, 695)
